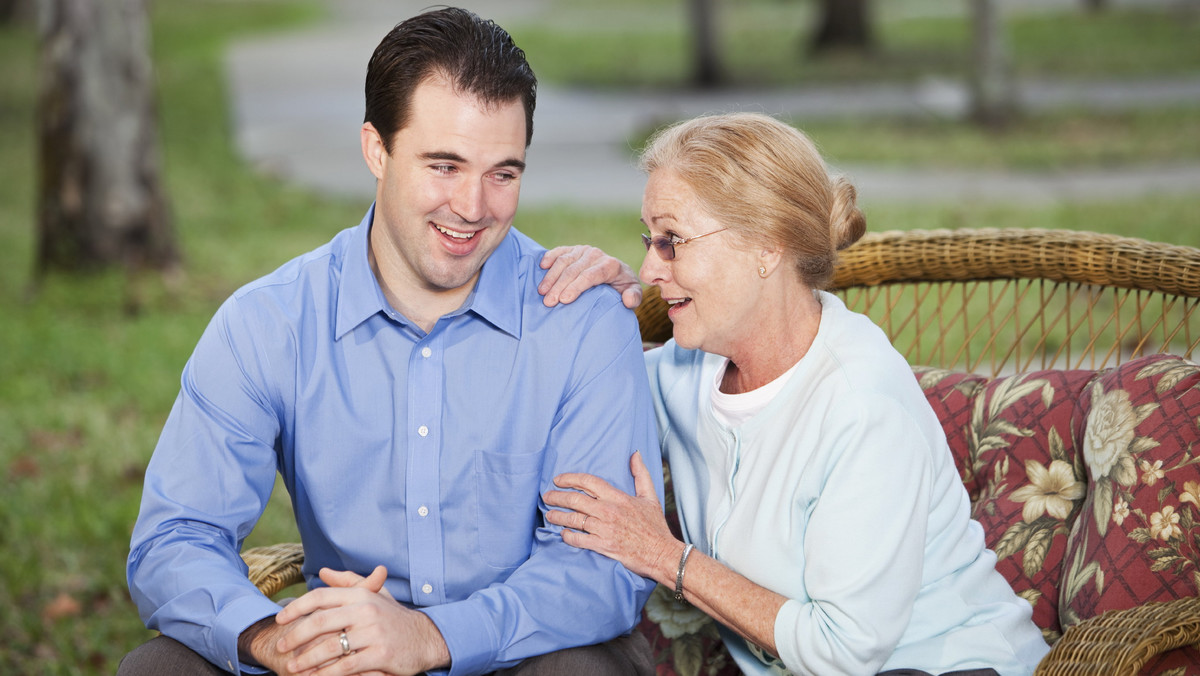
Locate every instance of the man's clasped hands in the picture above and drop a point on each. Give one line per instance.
(353, 626)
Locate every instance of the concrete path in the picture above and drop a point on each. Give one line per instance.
(297, 107)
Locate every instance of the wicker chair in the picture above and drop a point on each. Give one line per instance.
(992, 302)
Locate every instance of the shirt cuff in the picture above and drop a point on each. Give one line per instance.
(786, 621)
(230, 624)
(471, 639)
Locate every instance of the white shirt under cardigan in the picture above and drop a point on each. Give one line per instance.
(841, 495)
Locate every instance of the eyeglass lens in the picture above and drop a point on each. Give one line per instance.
(662, 245)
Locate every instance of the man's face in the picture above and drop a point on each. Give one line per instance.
(448, 190)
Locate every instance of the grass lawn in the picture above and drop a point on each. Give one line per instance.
(1072, 139)
(89, 366)
(763, 42)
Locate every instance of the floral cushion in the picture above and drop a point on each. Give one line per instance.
(952, 395)
(1013, 439)
(1137, 539)
(683, 639)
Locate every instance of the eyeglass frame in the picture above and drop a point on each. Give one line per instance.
(669, 243)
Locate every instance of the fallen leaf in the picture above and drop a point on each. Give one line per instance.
(63, 605)
(56, 441)
(25, 467)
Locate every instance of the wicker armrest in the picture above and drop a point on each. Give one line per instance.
(275, 568)
(1121, 642)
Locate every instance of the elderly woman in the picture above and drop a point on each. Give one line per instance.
(825, 525)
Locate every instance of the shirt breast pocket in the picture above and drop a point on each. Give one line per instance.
(507, 492)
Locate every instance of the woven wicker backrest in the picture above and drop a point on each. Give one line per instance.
(997, 301)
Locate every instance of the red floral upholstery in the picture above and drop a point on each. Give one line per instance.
(684, 640)
(1137, 538)
(1013, 440)
(1087, 485)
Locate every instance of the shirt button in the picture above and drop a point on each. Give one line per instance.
(423, 431)
(427, 588)
(423, 510)
(426, 352)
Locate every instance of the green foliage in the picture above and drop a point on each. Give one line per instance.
(1078, 139)
(1075, 139)
(89, 366)
(1111, 44)
(763, 43)
(615, 232)
(1158, 218)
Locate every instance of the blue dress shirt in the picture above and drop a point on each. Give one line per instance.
(425, 452)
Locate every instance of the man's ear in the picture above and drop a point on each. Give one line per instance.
(373, 149)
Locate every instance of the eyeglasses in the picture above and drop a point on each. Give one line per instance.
(665, 246)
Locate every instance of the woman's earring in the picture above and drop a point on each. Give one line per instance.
(762, 271)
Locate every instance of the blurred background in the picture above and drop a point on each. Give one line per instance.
(155, 156)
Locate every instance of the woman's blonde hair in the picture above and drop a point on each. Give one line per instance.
(765, 181)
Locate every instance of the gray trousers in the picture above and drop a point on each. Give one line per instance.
(622, 656)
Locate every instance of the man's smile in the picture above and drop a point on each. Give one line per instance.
(453, 233)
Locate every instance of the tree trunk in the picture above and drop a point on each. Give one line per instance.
(101, 199)
(993, 97)
(13, 11)
(843, 25)
(705, 60)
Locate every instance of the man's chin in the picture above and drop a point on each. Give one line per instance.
(449, 280)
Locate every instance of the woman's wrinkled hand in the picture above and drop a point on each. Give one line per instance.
(571, 270)
(628, 528)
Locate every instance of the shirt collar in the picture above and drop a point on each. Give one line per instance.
(496, 297)
(359, 295)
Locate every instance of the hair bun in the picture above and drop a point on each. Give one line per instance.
(846, 221)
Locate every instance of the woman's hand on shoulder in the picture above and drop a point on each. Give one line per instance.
(571, 270)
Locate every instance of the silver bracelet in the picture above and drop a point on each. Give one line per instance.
(679, 574)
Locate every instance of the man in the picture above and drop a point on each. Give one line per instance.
(417, 398)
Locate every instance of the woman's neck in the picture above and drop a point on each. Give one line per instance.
(779, 341)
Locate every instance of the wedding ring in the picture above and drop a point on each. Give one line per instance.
(345, 643)
(583, 526)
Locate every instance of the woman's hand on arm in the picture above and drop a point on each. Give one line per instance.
(628, 528)
(571, 270)
(633, 530)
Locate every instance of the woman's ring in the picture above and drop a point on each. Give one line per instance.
(583, 526)
(345, 643)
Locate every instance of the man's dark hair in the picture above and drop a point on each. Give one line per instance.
(476, 56)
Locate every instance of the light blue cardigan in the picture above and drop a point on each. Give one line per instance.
(841, 495)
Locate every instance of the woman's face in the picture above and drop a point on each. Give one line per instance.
(712, 284)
